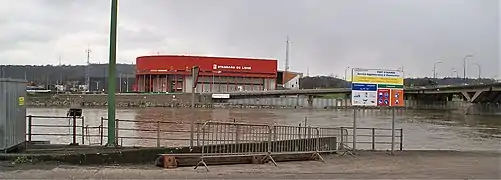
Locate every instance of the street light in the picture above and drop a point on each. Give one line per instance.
(2, 74)
(464, 66)
(97, 85)
(111, 73)
(454, 71)
(401, 68)
(345, 72)
(479, 70)
(435, 69)
(120, 80)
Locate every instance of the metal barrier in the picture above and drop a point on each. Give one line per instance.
(143, 133)
(215, 135)
(288, 139)
(56, 126)
(220, 139)
(341, 135)
(370, 138)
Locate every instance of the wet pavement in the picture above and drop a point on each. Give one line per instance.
(366, 165)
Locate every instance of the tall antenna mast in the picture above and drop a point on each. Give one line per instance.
(87, 72)
(284, 76)
(307, 71)
(60, 60)
(287, 54)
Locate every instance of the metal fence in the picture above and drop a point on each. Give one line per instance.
(59, 129)
(213, 138)
(372, 138)
(221, 139)
(144, 133)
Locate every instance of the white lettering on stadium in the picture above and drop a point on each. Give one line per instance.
(215, 66)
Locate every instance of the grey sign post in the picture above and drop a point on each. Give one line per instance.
(376, 88)
(194, 74)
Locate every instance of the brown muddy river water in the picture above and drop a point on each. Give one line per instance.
(444, 130)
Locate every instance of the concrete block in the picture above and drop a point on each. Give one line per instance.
(169, 161)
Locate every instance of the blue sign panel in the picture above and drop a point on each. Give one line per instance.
(363, 87)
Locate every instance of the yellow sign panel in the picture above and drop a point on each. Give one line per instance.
(378, 80)
(21, 101)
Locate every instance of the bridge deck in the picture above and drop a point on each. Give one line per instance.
(408, 90)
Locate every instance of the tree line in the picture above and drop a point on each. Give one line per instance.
(64, 74)
(319, 82)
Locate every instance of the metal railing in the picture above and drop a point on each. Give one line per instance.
(63, 129)
(143, 133)
(221, 139)
(213, 138)
(372, 138)
(340, 133)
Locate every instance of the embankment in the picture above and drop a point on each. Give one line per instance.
(184, 100)
(122, 100)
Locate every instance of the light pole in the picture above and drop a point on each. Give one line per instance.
(401, 68)
(346, 72)
(127, 83)
(479, 70)
(111, 74)
(453, 70)
(435, 69)
(464, 66)
(120, 80)
(97, 85)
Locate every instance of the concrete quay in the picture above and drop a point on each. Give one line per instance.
(366, 165)
(99, 155)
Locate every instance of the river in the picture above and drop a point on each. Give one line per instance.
(437, 130)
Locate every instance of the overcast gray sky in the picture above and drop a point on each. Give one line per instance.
(327, 35)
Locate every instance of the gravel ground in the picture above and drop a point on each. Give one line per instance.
(366, 165)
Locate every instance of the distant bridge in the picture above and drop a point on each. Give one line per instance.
(472, 93)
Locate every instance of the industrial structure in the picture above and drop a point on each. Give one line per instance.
(171, 73)
(12, 113)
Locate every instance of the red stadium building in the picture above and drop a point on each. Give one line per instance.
(217, 74)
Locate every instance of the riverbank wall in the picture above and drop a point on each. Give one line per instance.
(184, 100)
(122, 100)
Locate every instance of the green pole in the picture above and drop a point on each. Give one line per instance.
(111, 74)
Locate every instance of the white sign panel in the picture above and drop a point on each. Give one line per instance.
(218, 66)
(377, 87)
(220, 96)
(364, 98)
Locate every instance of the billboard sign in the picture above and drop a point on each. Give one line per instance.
(377, 87)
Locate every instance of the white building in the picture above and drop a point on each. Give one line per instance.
(288, 80)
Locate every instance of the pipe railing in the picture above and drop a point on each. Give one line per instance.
(69, 130)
